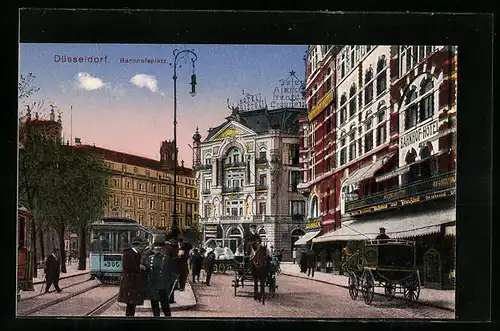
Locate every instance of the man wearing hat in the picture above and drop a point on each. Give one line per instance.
(209, 265)
(132, 283)
(252, 240)
(182, 261)
(382, 235)
(161, 276)
(52, 271)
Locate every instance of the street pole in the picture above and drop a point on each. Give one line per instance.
(174, 227)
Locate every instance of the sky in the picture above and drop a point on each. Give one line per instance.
(128, 107)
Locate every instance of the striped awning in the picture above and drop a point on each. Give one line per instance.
(367, 171)
(306, 238)
(396, 227)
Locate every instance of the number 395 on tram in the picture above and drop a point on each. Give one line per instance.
(109, 238)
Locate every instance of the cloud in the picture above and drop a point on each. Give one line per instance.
(88, 82)
(147, 81)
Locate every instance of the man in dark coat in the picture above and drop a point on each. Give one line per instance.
(161, 277)
(132, 282)
(252, 240)
(182, 262)
(382, 235)
(196, 261)
(209, 266)
(303, 262)
(52, 271)
(311, 263)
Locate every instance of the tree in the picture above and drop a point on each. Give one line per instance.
(92, 192)
(35, 158)
(75, 193)
(26, 87)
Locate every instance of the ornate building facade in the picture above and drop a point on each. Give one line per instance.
(142, 188)
(248, 172)
(392, 142)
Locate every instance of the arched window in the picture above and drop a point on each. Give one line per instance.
(352, 100)
(369, 85)
(343, 109)
(427, 101)
(234, 156)
(411, 109)
(381, 75)
(314, 207)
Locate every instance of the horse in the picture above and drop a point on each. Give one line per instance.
(260, 270)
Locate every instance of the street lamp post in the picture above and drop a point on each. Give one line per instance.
(184, 54)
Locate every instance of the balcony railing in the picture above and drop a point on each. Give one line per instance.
(297, 217)
(430, 185)
(260, 187)
(261, 161)
(206, 191)
(231, 189)
(234, 165)
(204, 167)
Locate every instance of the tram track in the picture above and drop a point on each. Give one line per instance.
(52, 291)
(90, 301)
(50, 303)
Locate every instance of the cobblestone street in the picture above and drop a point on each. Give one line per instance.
(296, 298)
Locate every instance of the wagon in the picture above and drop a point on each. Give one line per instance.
(388, 264)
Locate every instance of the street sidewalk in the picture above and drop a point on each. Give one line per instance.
(71, 268)
(184, 300)
(435, 298)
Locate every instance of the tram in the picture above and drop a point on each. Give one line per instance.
(110, 237)
(24, 257)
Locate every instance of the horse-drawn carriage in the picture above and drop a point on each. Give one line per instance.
(254, 268)
(388, 263)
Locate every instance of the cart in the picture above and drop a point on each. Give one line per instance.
(388, 263)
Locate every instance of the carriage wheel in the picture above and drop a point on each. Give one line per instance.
(368, 289)
(216, 269)
(412, 291)
(390, 291)
(222, 268)
(353, 286)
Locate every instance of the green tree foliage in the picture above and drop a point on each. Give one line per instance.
(65, 185)
(35, 159)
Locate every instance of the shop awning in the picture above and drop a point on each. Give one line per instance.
(367, 171)
(306, 238)
(396, 227)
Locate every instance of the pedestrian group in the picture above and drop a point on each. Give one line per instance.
(155, 272)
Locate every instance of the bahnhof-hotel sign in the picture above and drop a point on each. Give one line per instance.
(419, 134)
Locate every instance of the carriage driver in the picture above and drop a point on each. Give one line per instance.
(252, 241)
(382, 235)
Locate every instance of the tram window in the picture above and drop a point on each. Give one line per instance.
(22, 229)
